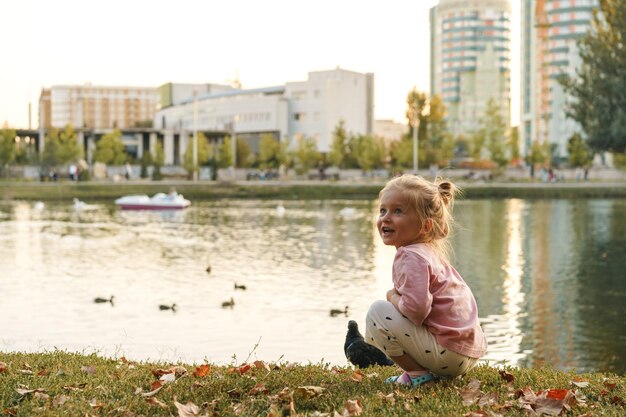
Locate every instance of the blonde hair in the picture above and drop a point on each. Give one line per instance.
(432, 201)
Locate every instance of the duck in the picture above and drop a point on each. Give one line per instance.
(230, 303)
(39, 205)
(334, 312)
(240, 287)
(361, 353)
(166, 307)
(280, 210)
(79, 205)
(208, 269)
(103, 300)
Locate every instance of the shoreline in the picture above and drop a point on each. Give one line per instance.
(290, 190)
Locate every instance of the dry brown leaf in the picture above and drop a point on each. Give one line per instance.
(354, 407)
(3, 367)
(79, 387)
(43, 372)
(507, 376)
(609, 383)
(153, 392)
(389, 398)
(187, 410)
(477, 413)
(156, 401)
(357, 376)
(238, 409)
(580, 384)
(488, 399)
(337, 370)
(258, 389)
(471, 392)
(10, 411)
(202, 370)
(262, 365)
(309, 391)
(90, 370)
(26, 391)
(41, 396)
(95, 404)
(25, 371)
(60, 399)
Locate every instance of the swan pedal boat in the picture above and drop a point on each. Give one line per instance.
(159, 201)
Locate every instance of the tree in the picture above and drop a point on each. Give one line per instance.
(513, 145)
(599, 87)
(579, 153)
(340, 147)
(306, 155)
(7, 147)
(245, 157)
(369, 152)
(437, 145)
(110, 149)
(271, 152)
(225, 158)
(494, 130)
(203, 154)
(61, 147)
(538, 155)
(158, 161)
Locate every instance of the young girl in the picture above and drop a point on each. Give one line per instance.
(429, 324)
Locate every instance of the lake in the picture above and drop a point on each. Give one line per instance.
(548, 276)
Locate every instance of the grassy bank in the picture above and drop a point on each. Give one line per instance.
(67, 384)
(64, 191)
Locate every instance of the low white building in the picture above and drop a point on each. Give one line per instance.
(311, 109)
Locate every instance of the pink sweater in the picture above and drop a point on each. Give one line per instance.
(433, 294)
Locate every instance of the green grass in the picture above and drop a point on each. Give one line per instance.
(107, 191)
(71, 384)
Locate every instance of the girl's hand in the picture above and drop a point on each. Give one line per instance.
(393, 297)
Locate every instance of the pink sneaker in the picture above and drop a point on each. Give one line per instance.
(406, 379)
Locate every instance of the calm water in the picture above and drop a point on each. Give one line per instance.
(548, 277)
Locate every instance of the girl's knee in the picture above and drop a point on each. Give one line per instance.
(377, 309)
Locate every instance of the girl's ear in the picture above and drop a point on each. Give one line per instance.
(428, 226)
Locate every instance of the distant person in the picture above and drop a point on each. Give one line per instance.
(429, 323)
(129, 171)
(73, 172)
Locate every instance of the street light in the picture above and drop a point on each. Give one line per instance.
(195, 134)
(416, 126)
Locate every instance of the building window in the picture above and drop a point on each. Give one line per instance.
(299, 117)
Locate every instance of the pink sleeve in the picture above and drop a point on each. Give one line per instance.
(411, 277)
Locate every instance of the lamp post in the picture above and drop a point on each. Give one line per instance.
(233, 142)
(195, 135)
(416, 126)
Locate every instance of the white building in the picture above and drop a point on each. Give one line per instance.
(390, 130)
(470, 59)
(311, 108)
(550, 30)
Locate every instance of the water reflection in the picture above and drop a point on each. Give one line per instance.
(547, 276)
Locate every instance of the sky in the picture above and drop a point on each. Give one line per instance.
(261, 42)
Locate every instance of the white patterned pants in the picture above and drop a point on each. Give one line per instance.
(394, 334)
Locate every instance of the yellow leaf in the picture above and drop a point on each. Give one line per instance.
(309, 391)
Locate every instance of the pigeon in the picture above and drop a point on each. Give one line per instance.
(360, 353)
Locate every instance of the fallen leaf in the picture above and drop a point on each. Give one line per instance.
(389, 398)
(156, 401)
(95, 404)
(477, 413)
(26, 391)
(60, 399)
(157, 384)
(309, 391)
(90, 370)
(41, 396)
(258, 389)
(262, 365)
(168, 378)
(337, 370)
(43, 372)
(78, 387)
(580, 384)
(488, 399)
(471, 392)
(187, 410)
(354, 407)
(154, 391)
(357, 376)
(609, 383)
(25, 371)
(3, 368)
(243, 369)
(233, 393)
(202, 370)
(507, 376)
(178, 371)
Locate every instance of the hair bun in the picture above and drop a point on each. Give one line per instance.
(446, 191)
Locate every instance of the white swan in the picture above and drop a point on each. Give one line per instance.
(280, 210)
(39, 205)
(347, 212)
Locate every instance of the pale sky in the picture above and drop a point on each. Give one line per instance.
(263, 42)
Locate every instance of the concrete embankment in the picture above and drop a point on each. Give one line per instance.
(207, 190)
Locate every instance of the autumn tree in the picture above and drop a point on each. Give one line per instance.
(7, 147)
(110, 149)
(203, 154)
(340, 151)
(579, 153)
(437, 145)
(271, 152)
(599, 87)
(61, 147)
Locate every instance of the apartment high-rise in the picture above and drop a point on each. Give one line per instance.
(550, 29)
(470, 59)
(96, 107)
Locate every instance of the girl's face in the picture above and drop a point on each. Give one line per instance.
(397, 222)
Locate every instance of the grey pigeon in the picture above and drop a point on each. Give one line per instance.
(359, 352)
